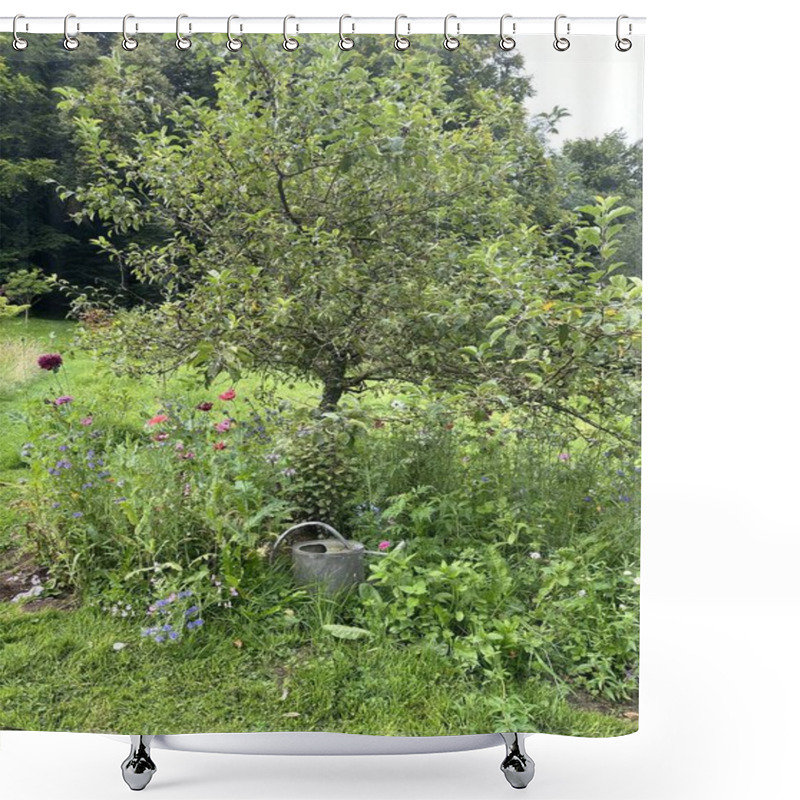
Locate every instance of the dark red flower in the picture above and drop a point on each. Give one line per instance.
(204, 406)
(219, 445)
(50, 361)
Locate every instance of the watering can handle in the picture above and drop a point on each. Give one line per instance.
(305, 525)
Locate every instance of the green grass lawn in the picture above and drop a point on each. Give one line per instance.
(60, 672)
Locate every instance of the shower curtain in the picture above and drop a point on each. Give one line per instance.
(389, 289)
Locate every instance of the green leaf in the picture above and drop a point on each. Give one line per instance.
(346, 632)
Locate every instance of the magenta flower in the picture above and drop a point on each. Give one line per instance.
(86, 421)
(50, 361)
(229, 395)
(224, 426)
(384, 545)
(63, 400)
(563, 456)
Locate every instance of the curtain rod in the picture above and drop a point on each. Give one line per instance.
(408, 25)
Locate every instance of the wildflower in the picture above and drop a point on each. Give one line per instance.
(63, 400)
(85, 486)
(117, 646)
(234, 593)
(223, 426)
(535, 556)
(582, 593)
(272, 458)
(56, 505)
(178, 447)
(120, 500)
(637, 580)
(289, 472)
(623, 607)
(187, 455)
(160, 437)
(220, 445)
(185, 593)
(229, 395)
(63, 464)
(398, 405)
(384, 545)
(191, 610)
(50, 361)
(624, 498)
(159, 639)
(173, 635)
(54, 471)
(484, 479)
(563, 456)
(86, 421)
(157, 419)
(77, 514)
(204, 406)
(63, 448)
(587, 499)
(103, 474)
(187, 489)
(627, 573)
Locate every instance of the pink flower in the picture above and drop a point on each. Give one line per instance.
(87, 421)
(384, 545)
(219, 445)
(187, 455)
(63, 400)
(204, 406)
(223, 426)
(160, 437)
(229, 395)
(50, 361)
(158, 418)
(563, 456)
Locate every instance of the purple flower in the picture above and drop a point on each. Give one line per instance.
(289, 472)
(63, 400)
(173, 635)
(185, 593)
(63, 464)
(50, 361)
(86, 486)
(587, 499)
(563, 456)
(62, 447)
(77, 514)
(159, 639)
(190, 611)
(120, 500)
(56, 505)
(624, 498)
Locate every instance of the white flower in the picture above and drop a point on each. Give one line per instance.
(627, 573)
(623, 607)
(582, 593)
(117, 646)
(535, 556)
(398, 404)
(637, 581)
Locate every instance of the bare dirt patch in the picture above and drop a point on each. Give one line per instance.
(19, 574)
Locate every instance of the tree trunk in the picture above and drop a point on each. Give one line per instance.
(331, 394)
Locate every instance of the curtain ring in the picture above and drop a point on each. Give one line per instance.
(623, 45)
(128, 42)
(561, 43)
(18, 43)
(400, 42)
(181, 42)
(70, 42)
(506, 42)
(450, 42)
(289, 44)
(345, 42)
(233, 44)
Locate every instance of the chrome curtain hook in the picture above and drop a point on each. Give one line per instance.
(18, 43)
(506, 42)
(181, 42)
(345, 42)
(561, 43)
(70, 42)
(623, 45)
(233, 44)
(289, 44)
(400, 42)
(450, 42)
(128, 42)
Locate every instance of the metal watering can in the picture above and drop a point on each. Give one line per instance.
(328, 566)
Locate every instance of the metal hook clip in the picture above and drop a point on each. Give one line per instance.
(400, 42)
(450, 42)
(506, 42)
(181, 42)
(561, 43)
(70, 42)
(233, 44)
(345, 42)
(623, 45)
(289, 44)
(18, 43)
(128, 42)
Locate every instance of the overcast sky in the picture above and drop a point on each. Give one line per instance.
(601, 87)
